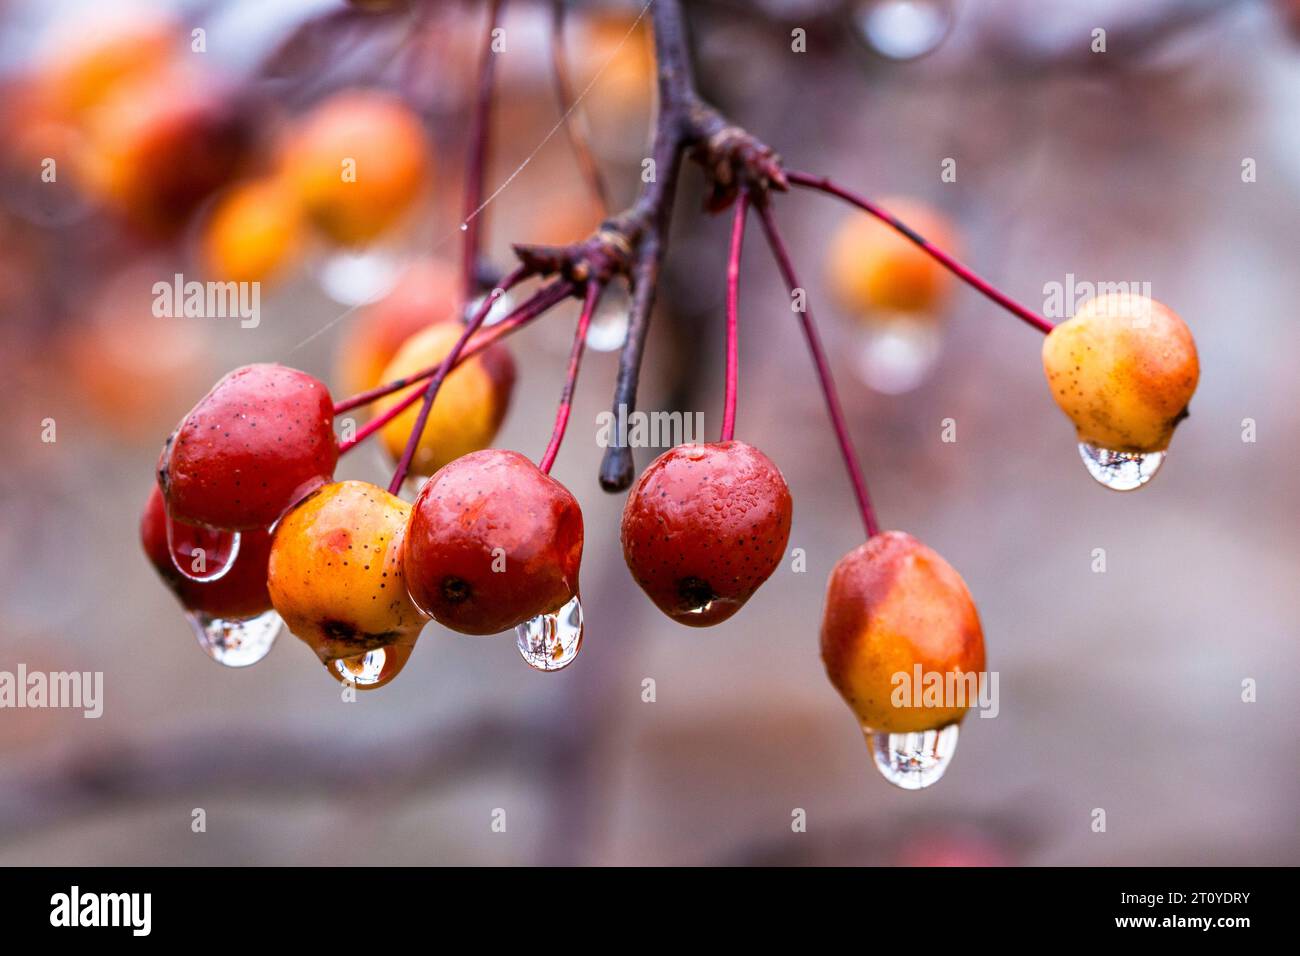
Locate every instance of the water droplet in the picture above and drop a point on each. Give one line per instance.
(896, 355)
(502, 304)
(608, 329)
(916, 760)
(550, 642)
(1120, 470)
(217, 549)
(359, 276)
(236, 643)
(372, 669)
(464, 227)
(904, 29)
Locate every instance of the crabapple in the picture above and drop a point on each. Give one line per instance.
(260, 441)
(335, 572)
(703, 527)
(358, 161)
(426, 293)
(84, 61)
(873, 270)
(493, 542)
(238, 595)
(471, 402)
(129, 367)
(893, 604)
(253, 231)
(160, 145)
(1123, 369)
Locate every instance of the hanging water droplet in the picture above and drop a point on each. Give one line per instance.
(236, 643)
(372, 669)
(896, 355)
(916, 760)
(200, 554)
(550, 642)
(502, 304)
(1120, 470)
(904, 29)
(608, 329)
(359, 276)
(464, 227)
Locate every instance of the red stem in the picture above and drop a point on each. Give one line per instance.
(823, 184)
(733, 320)
(838, 423)
(539, 303)
(594, 290)
(477, 161)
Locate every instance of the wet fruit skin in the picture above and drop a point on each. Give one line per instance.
(893, 603)
(705, 525)
(237, 595)
(492, 543)
(1123, 369)
(335, 572)
(258, 442)
(427, 292)
(471, 402)
(389, 163)
(874, 270)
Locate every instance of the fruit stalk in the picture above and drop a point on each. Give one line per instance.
(592, 300)
(825, 185)
(477, 162)
(537, 304)
(833, 408)
(481, 342)
(733, 309)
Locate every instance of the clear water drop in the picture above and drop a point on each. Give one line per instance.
(502, 304)
(916, 760)
(236, 643)
(904, 29)
(372, 669)
(359, 276)
(200, 554)
(608, 329)
(550, 642)
(1120, 470)
(896, 355)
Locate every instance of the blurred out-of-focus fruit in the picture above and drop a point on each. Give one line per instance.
(359, 162)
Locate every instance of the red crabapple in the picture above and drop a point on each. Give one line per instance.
(238, 595)
(259, 442)
(703, 527)
(492, 543)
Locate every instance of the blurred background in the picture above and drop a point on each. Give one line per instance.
(1171, 158)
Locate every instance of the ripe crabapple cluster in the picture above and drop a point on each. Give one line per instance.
(248, 527)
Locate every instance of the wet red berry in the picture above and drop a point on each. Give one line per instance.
(492, 543)
(703, 527)
(237, 595)
(260, 441)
